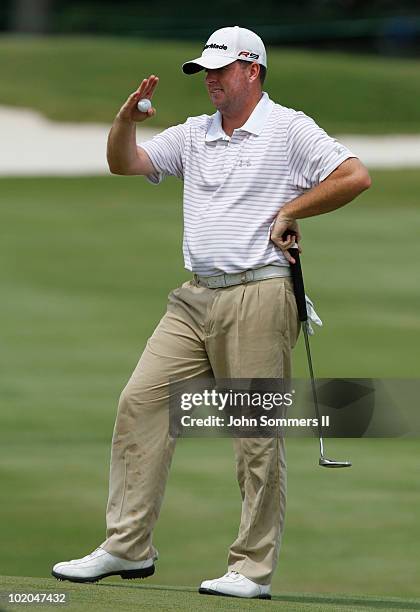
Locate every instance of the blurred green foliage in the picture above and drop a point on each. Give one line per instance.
(353, 22)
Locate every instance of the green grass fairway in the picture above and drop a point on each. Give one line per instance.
(86, 265)
(87, 79)
(110, 595)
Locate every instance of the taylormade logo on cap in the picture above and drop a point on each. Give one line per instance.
(214, 46)
(227, 45)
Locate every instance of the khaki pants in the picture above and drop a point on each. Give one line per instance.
(244, 331)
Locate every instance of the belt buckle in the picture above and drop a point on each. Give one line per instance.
(244, 278)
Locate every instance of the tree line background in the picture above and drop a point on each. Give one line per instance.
(382, 26)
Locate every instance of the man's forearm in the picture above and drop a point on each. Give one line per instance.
(338, 189)
(342, 186)
(124, 157)
(122, 147)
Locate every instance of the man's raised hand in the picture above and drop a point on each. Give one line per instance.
(129, 111)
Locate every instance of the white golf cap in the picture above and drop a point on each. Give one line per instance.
(227, 45)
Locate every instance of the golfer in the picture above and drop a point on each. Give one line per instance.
(250, 171)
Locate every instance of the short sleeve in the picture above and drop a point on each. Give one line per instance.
(312, 154)
(166, 152)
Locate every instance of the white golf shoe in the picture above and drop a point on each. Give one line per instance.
(234, 584)
(101, 564)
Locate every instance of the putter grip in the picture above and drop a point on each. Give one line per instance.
(297, 279)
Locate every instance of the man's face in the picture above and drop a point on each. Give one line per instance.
(228, 87)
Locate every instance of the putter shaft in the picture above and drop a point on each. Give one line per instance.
(299, 291)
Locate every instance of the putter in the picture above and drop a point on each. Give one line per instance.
(299, 291)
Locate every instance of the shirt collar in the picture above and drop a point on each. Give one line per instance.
(254, 124)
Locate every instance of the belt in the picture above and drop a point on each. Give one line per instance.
(239, 278)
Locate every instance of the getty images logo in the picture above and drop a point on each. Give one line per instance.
(214, 46)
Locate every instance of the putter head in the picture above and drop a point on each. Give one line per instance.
(331, 463)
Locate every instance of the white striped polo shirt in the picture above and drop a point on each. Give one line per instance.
(235, 186)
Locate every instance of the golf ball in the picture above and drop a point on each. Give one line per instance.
(144, 105)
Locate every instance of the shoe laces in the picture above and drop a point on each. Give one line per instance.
(232, 574)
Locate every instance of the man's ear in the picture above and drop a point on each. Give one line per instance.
(254, 72)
